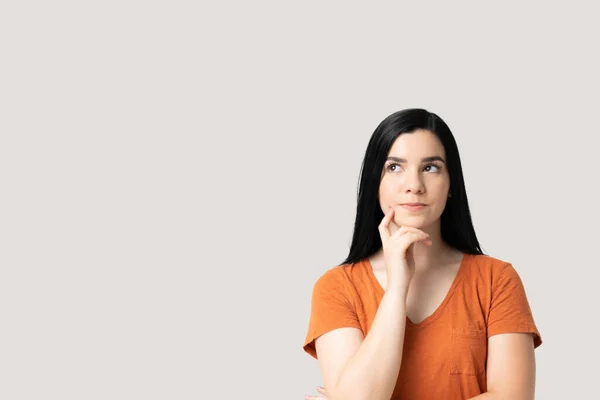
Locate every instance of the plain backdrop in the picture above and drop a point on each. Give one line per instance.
(175, 176)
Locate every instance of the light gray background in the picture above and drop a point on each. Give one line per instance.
(176, 175)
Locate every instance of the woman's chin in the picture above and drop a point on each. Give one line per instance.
(418, 223)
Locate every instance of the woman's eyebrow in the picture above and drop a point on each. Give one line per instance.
(426, 159)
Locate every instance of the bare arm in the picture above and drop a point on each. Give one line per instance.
(372, 365)
(354, 368)
(511, 368)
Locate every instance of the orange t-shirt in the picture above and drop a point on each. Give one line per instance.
(444, 356)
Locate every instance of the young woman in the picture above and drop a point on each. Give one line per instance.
(417, 311)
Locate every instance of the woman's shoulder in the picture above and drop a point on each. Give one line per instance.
(492, 269)
(342, 275)
(484, 261)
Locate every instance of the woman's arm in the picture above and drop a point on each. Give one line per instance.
(510, 368)
(367, 369)
(356, 369)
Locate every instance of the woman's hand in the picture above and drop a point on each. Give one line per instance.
(321, 390)
(398, 251)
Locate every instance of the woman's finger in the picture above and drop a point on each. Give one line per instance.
(404, 229)
(321, 390)
(411, 237)
(384, 229)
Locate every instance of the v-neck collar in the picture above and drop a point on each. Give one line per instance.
(381, 291)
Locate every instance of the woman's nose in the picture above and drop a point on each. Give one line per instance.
(414, 182)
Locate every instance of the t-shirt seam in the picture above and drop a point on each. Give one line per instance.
(500, 274)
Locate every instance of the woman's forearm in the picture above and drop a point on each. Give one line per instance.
(371, 373)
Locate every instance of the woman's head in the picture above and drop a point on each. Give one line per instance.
(415, 172)
(412, 157)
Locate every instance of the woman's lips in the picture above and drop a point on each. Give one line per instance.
(413, 208)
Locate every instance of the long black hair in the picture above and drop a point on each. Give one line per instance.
(456, 225)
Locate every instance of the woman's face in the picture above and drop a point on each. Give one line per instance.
(415, 172)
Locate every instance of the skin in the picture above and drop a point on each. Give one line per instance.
(510, 372)
(511, 359)
(419, 181)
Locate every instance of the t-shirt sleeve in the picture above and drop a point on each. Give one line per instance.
(331, 308)
(510, 310)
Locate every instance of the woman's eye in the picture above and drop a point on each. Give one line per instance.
(390, 166)
(395, 167)
(433, 165)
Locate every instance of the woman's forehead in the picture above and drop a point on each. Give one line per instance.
(417, 145)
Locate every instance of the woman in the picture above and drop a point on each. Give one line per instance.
(417, 310)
